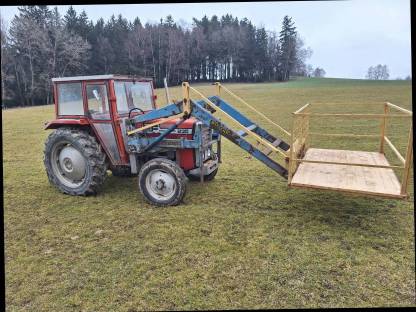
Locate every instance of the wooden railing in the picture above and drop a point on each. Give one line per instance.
(407, 160)
(186, 92)
(300, 139)
(220, 87)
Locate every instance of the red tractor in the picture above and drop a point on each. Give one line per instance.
(93, 117)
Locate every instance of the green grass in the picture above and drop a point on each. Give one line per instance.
(243, 240)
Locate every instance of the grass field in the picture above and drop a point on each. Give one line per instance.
(243, 240)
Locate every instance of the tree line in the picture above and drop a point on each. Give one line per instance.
(40, 44)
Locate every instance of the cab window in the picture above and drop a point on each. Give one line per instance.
(130, 95)
(98, 101)
(70, 99)
(141, 94)
(121, 97)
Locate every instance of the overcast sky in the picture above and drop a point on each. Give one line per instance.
(346, 36)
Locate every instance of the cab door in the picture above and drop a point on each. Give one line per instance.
(134, 97)
(101, 118)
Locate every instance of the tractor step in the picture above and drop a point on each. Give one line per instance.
(243, 133)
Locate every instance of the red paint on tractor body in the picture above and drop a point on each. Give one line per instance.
(186, 158)
(67, 122)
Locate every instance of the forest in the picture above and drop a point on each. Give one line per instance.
(39, 44)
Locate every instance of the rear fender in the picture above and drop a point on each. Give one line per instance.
(57, 123)
(86, 125)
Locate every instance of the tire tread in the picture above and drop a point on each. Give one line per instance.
(91, 149)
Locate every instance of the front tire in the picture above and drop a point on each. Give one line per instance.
(74, 161)
(162, 182)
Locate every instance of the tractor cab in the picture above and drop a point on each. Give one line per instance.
(100, 103)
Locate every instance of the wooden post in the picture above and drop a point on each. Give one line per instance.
(291, 154)
(186, 99)
(383, 128)
(165, 82)
(307, 132)
(218, 87)
(408, 162)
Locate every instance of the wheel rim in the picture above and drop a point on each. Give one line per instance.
(68, 164)
(160, 184)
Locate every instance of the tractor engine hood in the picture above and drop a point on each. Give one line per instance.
(185, 129)
(187, 124)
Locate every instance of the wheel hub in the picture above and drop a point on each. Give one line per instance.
(160, 184)
(69, 165)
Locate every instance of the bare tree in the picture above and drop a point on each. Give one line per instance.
(379, 72)
(370, 73)
(64, 52)
(27, 42)
(302, 54)
(309, 70)
(319, 72)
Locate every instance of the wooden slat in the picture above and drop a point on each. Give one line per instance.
(345, 135)
(219, 86)
(383, 128)
(291, 154)
(365, 116)
(346, 163)
(301, 109)
(400, 108)
(394, 149)
(408, 163)
(268, 151)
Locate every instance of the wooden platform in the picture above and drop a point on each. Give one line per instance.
(354, 179)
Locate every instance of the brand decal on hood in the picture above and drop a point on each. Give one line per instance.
(157, 129)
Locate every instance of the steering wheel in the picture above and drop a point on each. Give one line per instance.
(134, 108)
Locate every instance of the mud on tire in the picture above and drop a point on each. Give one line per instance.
(88, 153)
(162, 182)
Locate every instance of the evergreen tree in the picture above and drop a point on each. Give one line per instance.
(71, 20)
(261, 59)
(287, 40)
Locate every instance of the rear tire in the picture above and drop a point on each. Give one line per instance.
(162, 182)
(74, 161)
